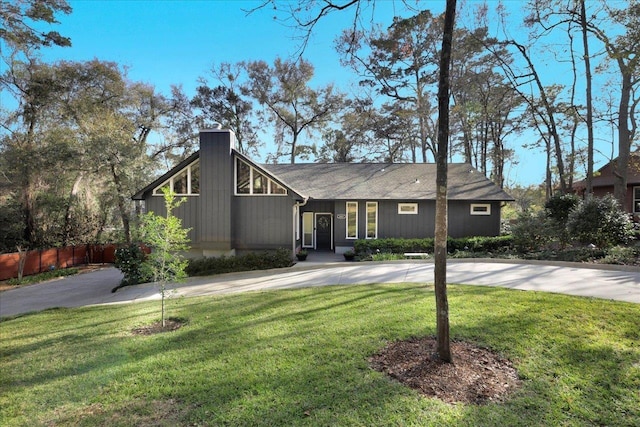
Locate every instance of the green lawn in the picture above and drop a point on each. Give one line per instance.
(299, 357)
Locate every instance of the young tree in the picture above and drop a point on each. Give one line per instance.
(167, 240)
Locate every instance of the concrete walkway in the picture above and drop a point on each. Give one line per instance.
(607, 282)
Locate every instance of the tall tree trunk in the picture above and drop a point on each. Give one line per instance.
(294, 143)
(28, 206)
(587, 67)
(549, 119)
(548, 180)
(421, 120)
(624, 140)
(441, 233)
(67, 215)
(122, 206)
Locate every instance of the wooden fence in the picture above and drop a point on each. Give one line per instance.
(38, 261)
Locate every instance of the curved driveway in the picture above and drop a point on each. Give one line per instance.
(622, 284)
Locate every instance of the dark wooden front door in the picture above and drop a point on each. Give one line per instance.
(323, 231)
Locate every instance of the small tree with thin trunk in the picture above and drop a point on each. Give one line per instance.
(167, 240)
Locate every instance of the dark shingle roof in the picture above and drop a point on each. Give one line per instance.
(406, 181)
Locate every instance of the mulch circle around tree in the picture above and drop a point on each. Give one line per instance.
(476, 376)
(156, 328)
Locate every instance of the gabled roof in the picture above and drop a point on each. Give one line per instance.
(379, 181)
(393, 181)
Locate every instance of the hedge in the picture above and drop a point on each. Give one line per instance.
(251, 261)
(400, 246)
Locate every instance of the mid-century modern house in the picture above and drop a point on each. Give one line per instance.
(603, 183)
(236, 205)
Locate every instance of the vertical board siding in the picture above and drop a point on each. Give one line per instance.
(324, 206)
(216, 188)
(463, 224)
(188, 212)
(391, 224)
(262, 222)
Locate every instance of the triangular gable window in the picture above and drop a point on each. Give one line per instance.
(185, 183)
(250, 181)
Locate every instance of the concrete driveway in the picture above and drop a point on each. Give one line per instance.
(607, 282)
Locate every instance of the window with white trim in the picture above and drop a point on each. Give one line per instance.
(480, 209)
(372, 220)
(307, 229)
(407, 209)
(352, 220)
(636, 200)
(250, 181)
(296, 226)
(184, 183)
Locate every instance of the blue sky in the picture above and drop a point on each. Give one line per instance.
(175, 42)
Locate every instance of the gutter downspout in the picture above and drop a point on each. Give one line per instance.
(296, 209)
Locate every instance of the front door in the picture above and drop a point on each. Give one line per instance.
(324, 232)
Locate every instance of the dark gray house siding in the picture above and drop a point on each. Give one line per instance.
(216, 193)
(312, 213)
(189, 212)
(262, 222)
(393, 224)
(463, 224)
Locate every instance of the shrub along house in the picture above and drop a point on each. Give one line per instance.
(235, 205)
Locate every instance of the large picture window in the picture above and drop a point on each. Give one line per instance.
(352, 220)
(372, 220)
(184, 183)
(251, 181)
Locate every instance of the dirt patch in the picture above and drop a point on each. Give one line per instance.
(137, 412)
(476, 376)
(156, 328)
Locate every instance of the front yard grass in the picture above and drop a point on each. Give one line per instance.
(299, 357)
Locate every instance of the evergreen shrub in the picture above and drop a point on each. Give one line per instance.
(532, 231)
(229, 264)
(600, 221)
(129, 260)
(365, 247)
